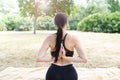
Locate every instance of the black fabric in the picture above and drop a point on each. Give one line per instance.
(66, 72)
(68, 52)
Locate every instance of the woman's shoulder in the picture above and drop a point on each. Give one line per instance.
(51, 36)
(74, 39)
(72, 36)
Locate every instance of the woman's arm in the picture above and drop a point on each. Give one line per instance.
(75, 59)
(81, 55)
(41, 57)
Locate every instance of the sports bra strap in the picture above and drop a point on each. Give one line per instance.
(64, 38)
(63, 41)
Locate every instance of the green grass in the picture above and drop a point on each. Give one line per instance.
(18, 49)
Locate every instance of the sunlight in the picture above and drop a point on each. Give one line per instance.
(81, 2)
(43, 4)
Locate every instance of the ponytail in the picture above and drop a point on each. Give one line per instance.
(58, 43)
(60, 20)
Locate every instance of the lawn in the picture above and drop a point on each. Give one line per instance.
(18, 49)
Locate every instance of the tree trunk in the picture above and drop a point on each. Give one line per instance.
(35, 17)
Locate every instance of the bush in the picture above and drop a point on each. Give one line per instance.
(73, 23)
(2, 26)
(11, 22)
(109, 23)
(26, 24)
(17, 23)
(45, 23)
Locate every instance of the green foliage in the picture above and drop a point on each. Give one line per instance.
(93, 6)
(73, 23)
(2, 26)
(80, 12)
(109, 23)
(45, 23)
(34, 9)
(17, 23)
(74, 18)
(55, 6)
(114, 5)
(25, 25)
(11, 21)
(26, 7)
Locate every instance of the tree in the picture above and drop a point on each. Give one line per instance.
(33, 9)
(28, 8)
(114, 5)
(79, 12)
(92, 6)
(55, 6)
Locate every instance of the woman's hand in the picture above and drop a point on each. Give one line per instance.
(63, 55)
(62, 52)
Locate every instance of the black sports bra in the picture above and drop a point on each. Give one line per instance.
(68, 52)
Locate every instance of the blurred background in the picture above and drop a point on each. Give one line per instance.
(96, 22)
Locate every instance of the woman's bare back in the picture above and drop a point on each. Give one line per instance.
(68, 44)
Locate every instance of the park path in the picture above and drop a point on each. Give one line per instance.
(38, 73)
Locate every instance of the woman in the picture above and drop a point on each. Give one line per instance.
(62, 47)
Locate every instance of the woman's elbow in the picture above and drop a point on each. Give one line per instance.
(38, 59)
(84, 60)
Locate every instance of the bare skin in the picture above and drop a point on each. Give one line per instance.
(71, 43)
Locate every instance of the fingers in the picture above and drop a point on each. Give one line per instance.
(62, 52)
(62, 47)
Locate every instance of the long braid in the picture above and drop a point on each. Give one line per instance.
(60, 20)
(58, 42)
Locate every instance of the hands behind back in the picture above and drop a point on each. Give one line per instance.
(62, 52)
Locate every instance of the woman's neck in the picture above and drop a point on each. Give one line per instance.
(64, 32)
